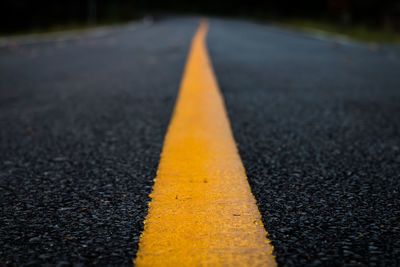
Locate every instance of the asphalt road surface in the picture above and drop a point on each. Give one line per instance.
(83, 119)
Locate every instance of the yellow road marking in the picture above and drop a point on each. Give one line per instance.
(202, 211)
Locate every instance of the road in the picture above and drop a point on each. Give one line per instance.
(83, 121)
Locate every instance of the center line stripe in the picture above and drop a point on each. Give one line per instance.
(202, 210)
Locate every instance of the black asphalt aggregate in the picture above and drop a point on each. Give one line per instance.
(317, 123)
(83, 120)
(82, 126)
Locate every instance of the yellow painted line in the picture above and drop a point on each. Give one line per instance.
(202, 211)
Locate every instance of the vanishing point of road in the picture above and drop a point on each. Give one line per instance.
(277, 147)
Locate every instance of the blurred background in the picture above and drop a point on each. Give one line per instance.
(20, 16)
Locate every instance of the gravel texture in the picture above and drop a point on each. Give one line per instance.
(82, 125)
(318, 127)
(83, 120)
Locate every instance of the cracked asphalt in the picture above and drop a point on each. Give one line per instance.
(83, 120)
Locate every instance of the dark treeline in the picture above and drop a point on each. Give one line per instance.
(24, 15)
